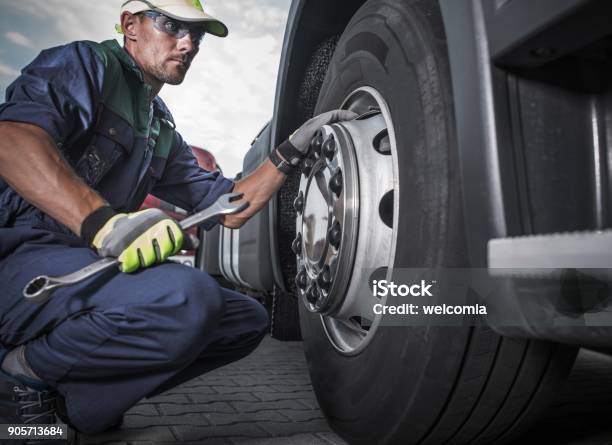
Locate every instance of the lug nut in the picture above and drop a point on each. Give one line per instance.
(296, 245)
(298, 204)
(324, 280)
(317, 142)
(329, 147)
(336, 183)
(334, 234)
(312, 294)
(307, 166)
(301, 279)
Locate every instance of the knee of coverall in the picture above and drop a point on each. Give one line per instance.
(261, 320)
(188, 314)
(254, 321)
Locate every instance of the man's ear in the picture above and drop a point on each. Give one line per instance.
(129, 24)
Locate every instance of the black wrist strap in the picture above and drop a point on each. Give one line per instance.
(94, 222)
(291, 154)
(280, 164)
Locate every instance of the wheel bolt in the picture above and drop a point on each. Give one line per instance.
(312, 294)
(307, 166)
(317, 142)
(329, 147)
(301, 279)
(296, 245)
(334, 234)
(336, 183)
(324, 280)
(298, 204)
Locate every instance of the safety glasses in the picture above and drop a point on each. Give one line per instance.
(176, 28)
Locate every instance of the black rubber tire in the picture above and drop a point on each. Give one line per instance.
(284, 317)
(430, 385)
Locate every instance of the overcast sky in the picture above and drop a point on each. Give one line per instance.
(228, 94)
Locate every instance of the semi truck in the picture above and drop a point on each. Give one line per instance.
(483, 142)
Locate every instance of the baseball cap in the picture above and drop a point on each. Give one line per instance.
(184, 10)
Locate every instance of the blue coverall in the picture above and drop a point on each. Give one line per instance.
(115, 338)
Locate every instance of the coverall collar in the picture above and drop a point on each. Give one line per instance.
(130, 65)
(124, 58)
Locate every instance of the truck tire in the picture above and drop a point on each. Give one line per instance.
(284, 317)
(422, 385)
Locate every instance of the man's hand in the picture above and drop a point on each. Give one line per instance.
(302, 137)
(137, 240)
(262, 184)
(289, 154)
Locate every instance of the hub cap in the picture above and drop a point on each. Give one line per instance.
(346, 214)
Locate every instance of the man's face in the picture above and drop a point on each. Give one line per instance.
(161, 55)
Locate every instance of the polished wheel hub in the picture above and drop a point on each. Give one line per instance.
(345, 217)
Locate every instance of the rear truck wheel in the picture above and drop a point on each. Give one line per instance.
(384, 191)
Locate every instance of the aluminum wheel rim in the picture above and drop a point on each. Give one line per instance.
(334, 268)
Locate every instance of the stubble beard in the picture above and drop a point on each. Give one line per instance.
(168, 76)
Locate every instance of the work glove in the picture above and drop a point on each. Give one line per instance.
(289, 154)
(137, 240)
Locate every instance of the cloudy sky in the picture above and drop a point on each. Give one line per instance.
(228, 94)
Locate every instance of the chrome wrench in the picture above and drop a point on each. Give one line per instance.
(41, 287)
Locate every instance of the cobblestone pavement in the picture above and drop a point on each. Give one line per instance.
(267, 399)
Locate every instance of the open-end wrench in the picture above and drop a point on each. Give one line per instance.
(41, 287)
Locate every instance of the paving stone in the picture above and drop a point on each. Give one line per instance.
(291, 428)
(269, 396)
(206, 380)
(332, 438)
(105, 443)
(136, 421)
(214, 407)
(302, 415)
(309, 402)
(257, 368)
(291, 388)
(213, 441)
(168, 398)
(144, 409)
(152, 433)
(249, 407)
(240, 388)
(231, 397)
(298, 439)
(201, 388)
(269, 380)
(195, 433)
(254, 417)
(279, 372)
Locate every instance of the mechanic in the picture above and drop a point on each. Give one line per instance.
(84, 138)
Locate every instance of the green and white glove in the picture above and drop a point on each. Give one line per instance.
(137, 240)
(289, 154)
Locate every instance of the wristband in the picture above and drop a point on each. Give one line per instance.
(288, 151)
(280, 163)
(94, 222)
